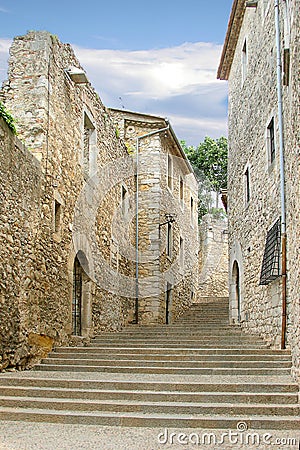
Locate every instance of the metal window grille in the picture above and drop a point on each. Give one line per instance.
(271, 261)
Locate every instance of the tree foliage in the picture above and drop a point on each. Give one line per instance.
(210, 157)
(209, 161)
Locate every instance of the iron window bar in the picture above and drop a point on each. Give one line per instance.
(271, 261)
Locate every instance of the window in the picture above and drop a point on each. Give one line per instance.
(88, 132)
(247, 185)
(192, 210)
(169, 239)
(271, 141)
(181, 191)
(181, 253)
(271, 261)
(124, 200)
(57, 216)
(244, 61)
(170, 172)
(286, 67)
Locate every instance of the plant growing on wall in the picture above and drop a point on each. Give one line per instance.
(8, 118)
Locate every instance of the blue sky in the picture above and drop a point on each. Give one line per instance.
(157, 57)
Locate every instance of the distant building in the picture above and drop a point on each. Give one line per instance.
(263, 170)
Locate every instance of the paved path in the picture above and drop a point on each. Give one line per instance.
(42, 436)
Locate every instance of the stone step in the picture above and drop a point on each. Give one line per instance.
(168, 362)
(169, 407)
(201, 334)
(150, 420)
(168, 345)
(215, 384)
(163, 370)
(181, 342)
(176, 332)
(148, 395)
(167, 355)
(178, 350)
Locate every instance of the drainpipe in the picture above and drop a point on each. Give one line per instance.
(136, 307)
(282, 176)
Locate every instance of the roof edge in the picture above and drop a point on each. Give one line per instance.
(231, 38)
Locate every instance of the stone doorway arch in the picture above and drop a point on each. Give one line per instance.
(81, 296)
(236, 288)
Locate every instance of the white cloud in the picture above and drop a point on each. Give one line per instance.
(3, 10)
(4, 48)
(178, 83)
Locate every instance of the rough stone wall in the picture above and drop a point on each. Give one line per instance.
(22, 262)
(213, 260)
(158, 270)
(252, 104)
(54, 117)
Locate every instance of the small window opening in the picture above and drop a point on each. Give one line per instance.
(170, 172)
(247, 185)
(244, 61)
(181, 252)
(88, 131)
(169, 239)
(192, 210)
(57, 216)
(271, 140)
(181, 191)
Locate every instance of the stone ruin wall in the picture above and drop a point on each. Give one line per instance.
(213, 258)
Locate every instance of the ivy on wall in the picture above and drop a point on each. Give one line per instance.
(8, 118)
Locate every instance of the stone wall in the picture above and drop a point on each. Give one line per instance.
(213, 258)
(47, 200)
(252, 105)
(67, 240)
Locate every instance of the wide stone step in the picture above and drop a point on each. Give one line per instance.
(259, 352)
(172, 332)
(149, 420)
(168, 362)
(150, 407)
(163, 370)
(165, 355)
(148, 395)
(283, 385)
(168, 345)
(183, 337)
(171, 342)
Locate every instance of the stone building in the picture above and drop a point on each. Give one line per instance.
(68, 211)
(168, 220)
(260, 60)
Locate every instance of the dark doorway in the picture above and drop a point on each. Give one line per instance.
(77, 298)
(168, 302)
(236, 278)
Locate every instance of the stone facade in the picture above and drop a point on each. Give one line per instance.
(68, 208)
(213, 258)
(166, 186)
(249, 63)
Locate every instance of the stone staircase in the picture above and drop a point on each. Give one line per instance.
(198, 372)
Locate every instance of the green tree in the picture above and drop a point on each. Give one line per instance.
(209, 161)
